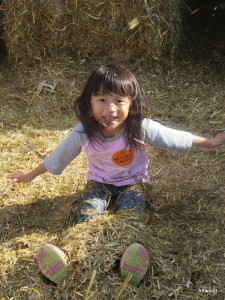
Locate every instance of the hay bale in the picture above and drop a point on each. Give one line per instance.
(18, 16)
(38, 29)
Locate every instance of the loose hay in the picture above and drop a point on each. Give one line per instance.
(183, 229)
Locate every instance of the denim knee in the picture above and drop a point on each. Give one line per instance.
(132, 199)
(90, 208)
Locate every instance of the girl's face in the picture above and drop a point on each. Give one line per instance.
(110, 111)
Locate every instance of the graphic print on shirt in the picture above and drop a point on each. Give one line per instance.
(123, 157)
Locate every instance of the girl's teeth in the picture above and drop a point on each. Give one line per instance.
(108, 120)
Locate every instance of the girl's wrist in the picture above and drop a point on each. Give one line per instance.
(214, 142)
(31, 176)
(36, 172)
(210, 144)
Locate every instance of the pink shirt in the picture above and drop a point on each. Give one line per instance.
(114, 163)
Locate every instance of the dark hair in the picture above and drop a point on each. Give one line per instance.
(114, 80)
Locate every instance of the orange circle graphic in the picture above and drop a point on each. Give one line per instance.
(123, 157)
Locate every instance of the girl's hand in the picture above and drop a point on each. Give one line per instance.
(21, 177)
(218, 140)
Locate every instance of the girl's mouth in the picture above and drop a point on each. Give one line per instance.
(107, 121)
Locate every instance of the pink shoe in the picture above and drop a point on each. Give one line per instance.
(52, 262)
(135, 261)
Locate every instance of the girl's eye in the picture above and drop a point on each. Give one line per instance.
(120, 101)
(101, 100)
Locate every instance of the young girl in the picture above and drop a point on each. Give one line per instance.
(113, 131)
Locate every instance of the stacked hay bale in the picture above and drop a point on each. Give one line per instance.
(147, 30)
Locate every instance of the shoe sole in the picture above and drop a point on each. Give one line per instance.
(52, 263)
(134, 261)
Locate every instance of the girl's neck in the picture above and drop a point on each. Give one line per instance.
(111, 133)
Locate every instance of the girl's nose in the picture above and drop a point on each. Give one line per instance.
(111, 106)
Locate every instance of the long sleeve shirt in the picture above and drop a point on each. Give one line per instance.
(111, 160)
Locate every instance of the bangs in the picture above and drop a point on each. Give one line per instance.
(114, 81)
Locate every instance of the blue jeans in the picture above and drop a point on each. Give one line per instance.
(101, 196)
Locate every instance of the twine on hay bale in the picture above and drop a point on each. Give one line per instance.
(38, 29)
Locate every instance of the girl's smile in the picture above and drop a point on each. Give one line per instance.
(110, 111)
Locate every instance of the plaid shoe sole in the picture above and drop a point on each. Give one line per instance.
(134, 261)
(52, 263)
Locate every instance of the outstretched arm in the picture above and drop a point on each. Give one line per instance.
(214, 142)
(23, 176)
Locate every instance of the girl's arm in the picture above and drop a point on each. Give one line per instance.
(202, 142)
(23, 176)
